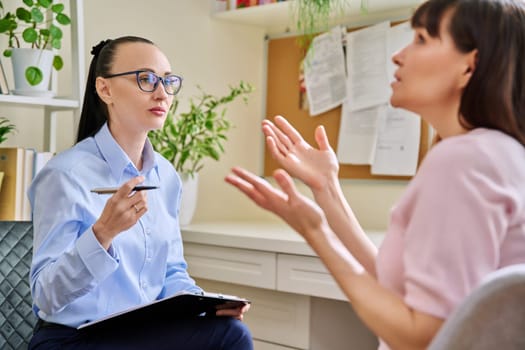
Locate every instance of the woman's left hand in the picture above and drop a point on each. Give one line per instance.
(237, 312)
(300, 212)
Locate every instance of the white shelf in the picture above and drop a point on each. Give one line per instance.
(278, 17)
(57, 103)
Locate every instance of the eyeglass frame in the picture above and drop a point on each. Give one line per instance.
(159, 79)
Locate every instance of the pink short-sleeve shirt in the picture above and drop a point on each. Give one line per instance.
(461, 217)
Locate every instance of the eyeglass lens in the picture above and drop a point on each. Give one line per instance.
(148, 81)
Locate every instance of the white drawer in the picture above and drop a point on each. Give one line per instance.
(240, 266)
(306, 275)
(274, 317)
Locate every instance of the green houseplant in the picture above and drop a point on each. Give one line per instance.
(313, 16)
(188, 138)
(6, 128)
(29, 24)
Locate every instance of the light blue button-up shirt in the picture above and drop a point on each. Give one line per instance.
(73, 278)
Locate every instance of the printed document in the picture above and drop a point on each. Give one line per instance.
(324, 72)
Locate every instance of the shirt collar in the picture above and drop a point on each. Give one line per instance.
(118, 161)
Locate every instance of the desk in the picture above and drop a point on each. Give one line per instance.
(296, 302)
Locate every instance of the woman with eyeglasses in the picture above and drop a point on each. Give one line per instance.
(98, 254)
(462, 215)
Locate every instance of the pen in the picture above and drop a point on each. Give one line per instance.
(108, 190)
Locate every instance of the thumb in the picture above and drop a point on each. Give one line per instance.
(322, 139)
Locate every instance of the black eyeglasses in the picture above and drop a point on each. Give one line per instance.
(148, 81)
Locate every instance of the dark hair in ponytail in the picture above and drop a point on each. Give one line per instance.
(94, 111)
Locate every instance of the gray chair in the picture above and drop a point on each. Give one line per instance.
(16, 316)
(492, 317)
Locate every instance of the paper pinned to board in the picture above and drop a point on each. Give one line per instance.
(324, 72)
(366, 59)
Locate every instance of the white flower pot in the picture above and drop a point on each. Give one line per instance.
(23, 58)
(189, 198)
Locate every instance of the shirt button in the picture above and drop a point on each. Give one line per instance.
(144, 285)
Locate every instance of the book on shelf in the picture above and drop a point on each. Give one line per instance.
(11, 193)
(29, 159)
(20, 166)
(4, 87)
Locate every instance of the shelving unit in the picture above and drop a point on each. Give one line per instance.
(72, 102)
(278, 17)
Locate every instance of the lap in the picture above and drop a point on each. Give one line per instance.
(195, 333)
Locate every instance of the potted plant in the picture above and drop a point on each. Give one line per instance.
(31, 25)
(313, 16)
(6, 128)
(187, 139)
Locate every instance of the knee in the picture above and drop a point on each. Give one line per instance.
(239, 335)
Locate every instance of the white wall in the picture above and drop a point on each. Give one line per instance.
(212, 54)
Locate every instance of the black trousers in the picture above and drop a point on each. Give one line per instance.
(199, 333)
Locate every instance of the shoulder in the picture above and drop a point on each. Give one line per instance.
(74, 157)
(480, 151)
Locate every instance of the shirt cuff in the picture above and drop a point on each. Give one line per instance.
(99, 262)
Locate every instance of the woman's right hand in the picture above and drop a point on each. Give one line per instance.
(122, 210)
(314, 167)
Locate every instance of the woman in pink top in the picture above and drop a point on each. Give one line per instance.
(463, 214)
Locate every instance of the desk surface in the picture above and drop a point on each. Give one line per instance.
(255, 235)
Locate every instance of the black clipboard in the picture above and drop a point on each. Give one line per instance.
(178, 306)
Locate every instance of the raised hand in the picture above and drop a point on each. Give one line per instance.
(312, 166)
(301, 213)
(122, 210)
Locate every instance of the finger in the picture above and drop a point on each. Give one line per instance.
(322, 139)
(288, 129)
(246, 187)
(275, 151)
(285, 182)
(280, 147)
(259, 190)
(126, 189)
(283, 141)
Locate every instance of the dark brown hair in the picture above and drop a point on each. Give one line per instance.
(494, 97)
(94, 111)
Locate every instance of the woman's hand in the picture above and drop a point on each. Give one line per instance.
(122, 210)
(301, 213)
(312, 166)
(237, 312)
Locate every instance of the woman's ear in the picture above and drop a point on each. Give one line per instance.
(471, 61)
(103, 89)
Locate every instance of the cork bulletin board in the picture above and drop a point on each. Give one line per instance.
(283, 98)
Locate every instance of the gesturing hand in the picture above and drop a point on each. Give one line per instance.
(312, 166)
(122, 210)
(301, 213)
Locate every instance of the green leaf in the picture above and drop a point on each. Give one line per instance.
(23, 14)
(8, 53)
(5, 25)
(28, 3)
(34, 75)
(58, 63)
(45, 3)
(30, 35)
(56, 43)
(63, 19)
(55, 32)
(57, 8)
(37, 15)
